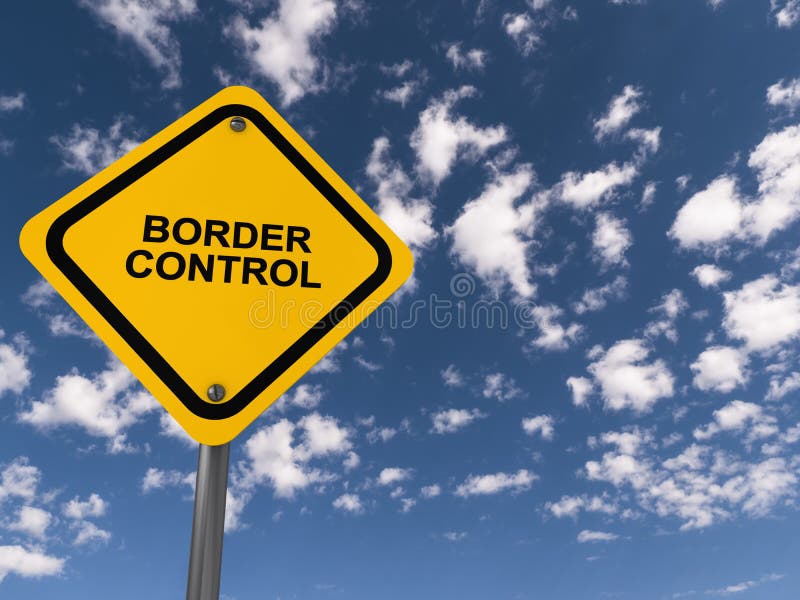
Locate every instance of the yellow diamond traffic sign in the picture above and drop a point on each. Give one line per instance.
(221, 254)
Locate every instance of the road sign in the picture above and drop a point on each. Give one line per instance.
(219, 260)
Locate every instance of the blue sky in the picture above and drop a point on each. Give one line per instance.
(618, 181)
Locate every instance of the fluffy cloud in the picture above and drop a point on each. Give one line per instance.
(15, 375)
(720, 368)
(157, 479)
(32, 521)
(281, 47)
(553, 335)
(738, 416)
(392, 475)
(626, 381)
(500, 387)
(482, 485)
(610, 240)
(451, 420)
(785, 94)
(473, 59)
(586, 190)
(274, 457)
(492, 234)
(19, 479)
(521, 28)
(104, 406)
(87, 150)
(621, 110)
(409, 218)
(787, 12)
(452, 377)
(441, 138)
(595, 299)
(570, 506)
(779, 387)
(764, 313)
(587, 536)
(79, 511)
(719, 214)
(145, 23)
(710, 275)
(541, 424)
(28, 563)
(10, 103)
(349, 503)
(673, 304)
(580, 387)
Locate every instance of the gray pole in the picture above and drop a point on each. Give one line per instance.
(208, 526)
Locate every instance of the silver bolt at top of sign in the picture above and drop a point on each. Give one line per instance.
(238, 124)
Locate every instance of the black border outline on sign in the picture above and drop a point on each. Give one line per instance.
(162, 369)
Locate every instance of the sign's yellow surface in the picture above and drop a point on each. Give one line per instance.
(213, 254)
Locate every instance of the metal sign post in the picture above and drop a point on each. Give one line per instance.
(208, 526)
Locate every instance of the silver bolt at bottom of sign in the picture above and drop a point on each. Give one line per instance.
(216, 392)
(238, 124)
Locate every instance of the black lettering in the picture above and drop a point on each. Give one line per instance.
(238, 226)
(254, 267)
(196, 231)
(228, 260)
(273, 272)
(129, 264)
(179, 261)
(150, 226)
(266, 236)
(196, 264)
(216, 229)
(295, 233)
(304, 282)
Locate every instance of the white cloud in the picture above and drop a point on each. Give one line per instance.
(19, 479)
(32, 521)
(104, 406)
(541, 424)
(305, 396)
(88, 532)
(585, 190)
(581, 388)
(410, 218)
(330, 362)
(588, 536)
(720, 368)
(500, 387)
(787, 12)
(94, 506)
(710, 275)
(492, 234)
(595, 299)
(648, 195)
(764, 313)
(453, 419)
(481, 485)
(401, 93)
(523, 30)
(649, 141)
(553, 335)
(621, 110)
(15, 375)
(719, 214)
(454, 536)
(452, 377)
(610, 240)
(710, 216)
(673, 304)
(778, 388)
(743, 586)
(158, 479)
(349, 503)
(169, 427)
(785, 94)
(441, 138)
(15, 102)
(20, 561)
(431, 491)
(392, 475)
(570, 506)
(736, 416)
(472, 59)
(626, 381)
(282, 47)
(87, 150)
(145, 22)
(274, 457)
